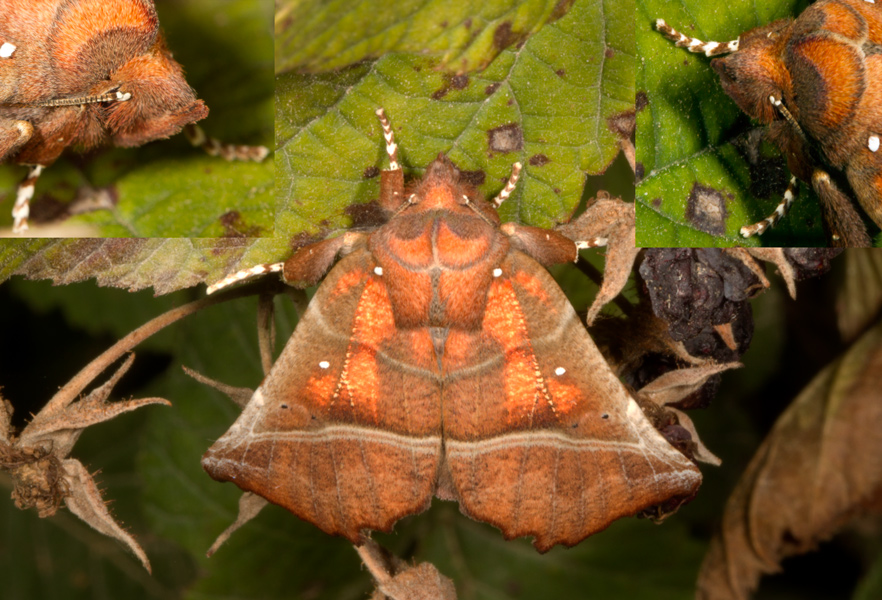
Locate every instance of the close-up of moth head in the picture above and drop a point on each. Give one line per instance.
(83, 74)
(811, 80)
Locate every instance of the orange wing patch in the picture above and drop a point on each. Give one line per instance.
(357, 390)
(532, 286)
(528, 398)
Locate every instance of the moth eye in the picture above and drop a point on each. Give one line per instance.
(604, 416)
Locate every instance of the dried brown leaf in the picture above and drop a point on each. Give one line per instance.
(607, 222)
(859, 299)
(85, 501)
(249, 507)
(820, 466)
(398, 580)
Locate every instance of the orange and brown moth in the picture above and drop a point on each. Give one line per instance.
(439, 358)
(86, 73)
(816, 81)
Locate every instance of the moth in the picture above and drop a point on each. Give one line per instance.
(816, 81)
(439, 358)
(85, 73)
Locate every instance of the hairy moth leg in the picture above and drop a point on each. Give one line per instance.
(694, 44)
(503, 195)
(22, 207)
(197, 137)
(305, 267)
(760, 227)
(255, 271)
(391, 179)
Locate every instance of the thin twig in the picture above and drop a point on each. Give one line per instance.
(78, 382)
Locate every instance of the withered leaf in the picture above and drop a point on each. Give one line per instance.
(43, 477)
(820, 466)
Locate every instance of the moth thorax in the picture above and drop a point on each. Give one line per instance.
(437, 195)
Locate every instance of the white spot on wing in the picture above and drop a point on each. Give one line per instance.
(873, 143)
(497, 272)
(378, 270)
(7, 49)
(324, 364)
(560, 371)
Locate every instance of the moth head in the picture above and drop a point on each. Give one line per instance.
(161, 102)
(442, 187)
(755, 71)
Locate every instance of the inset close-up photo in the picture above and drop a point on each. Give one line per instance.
(90, 90)
(759, 123)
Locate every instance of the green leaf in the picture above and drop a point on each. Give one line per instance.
(463, 36)
(560, 89)
(692, 138)
(167, 188)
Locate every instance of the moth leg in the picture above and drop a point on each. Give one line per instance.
(391, 179)
(22, 207)
(309, 264)
(842, 223)
(779, 212)
(197, 137)
(503, 195)
(305, 268)
(547, 246)
(249, 273)
(694, 44)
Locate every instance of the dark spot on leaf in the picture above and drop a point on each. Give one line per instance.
(506, 138)
(473, 178)
(609, 53)
(491, 88)
(641, 101)
(370, 172)
(510, 101)
(706, 209)
(455, 82)
(560, 72)
(503, 36)
(538, 160)
(639, 171)
(235, 226)
(561, 8)
(556, 191)
(417, 68)
(622, 124)
(304, 239)
(444, 24)
(370, 214)
(468, 23)
(656, 202)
